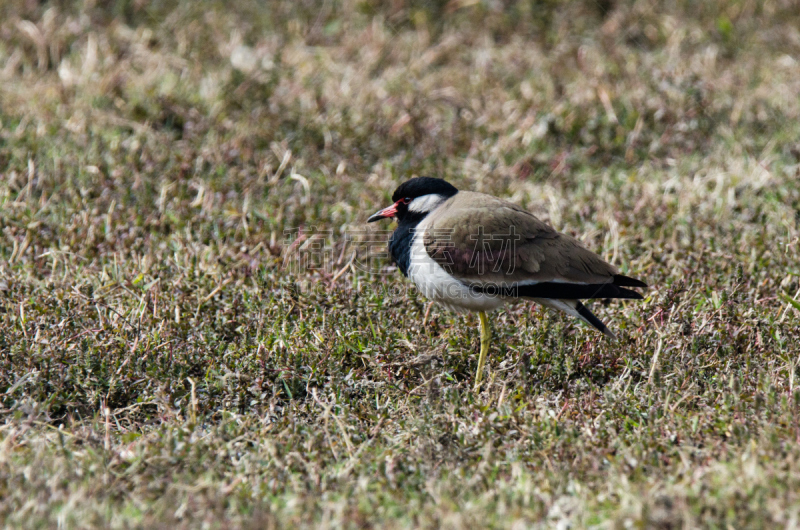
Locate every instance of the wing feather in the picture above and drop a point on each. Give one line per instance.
(487, 242)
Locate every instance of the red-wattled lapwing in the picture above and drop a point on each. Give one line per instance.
(471, 251)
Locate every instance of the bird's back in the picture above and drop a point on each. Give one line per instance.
(483, 239)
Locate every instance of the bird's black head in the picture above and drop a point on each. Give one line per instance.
(420, 186)
(416, 198)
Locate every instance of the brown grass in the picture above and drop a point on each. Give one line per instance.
(164, 362)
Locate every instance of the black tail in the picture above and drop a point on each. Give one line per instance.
(589, 317)
(570, 291)
(627, 281)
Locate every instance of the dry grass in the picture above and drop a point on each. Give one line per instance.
(162, 364)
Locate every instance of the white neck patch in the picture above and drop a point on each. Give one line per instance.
(426, 203)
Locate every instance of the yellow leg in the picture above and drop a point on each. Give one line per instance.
(486, 335)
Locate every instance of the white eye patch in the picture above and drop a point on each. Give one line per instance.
(426, 203)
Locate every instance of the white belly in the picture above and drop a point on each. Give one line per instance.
(437, 285)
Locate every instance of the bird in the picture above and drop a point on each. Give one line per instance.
(470, 251)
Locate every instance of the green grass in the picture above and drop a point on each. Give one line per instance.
(165, 362)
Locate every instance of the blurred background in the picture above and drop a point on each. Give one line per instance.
(156, 94)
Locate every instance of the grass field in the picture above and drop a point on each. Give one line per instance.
(175, 351)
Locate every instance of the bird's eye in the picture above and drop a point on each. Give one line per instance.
(407, 200)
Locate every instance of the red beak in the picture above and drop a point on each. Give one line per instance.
(389, 211)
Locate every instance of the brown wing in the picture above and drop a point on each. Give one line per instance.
(485, 241)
